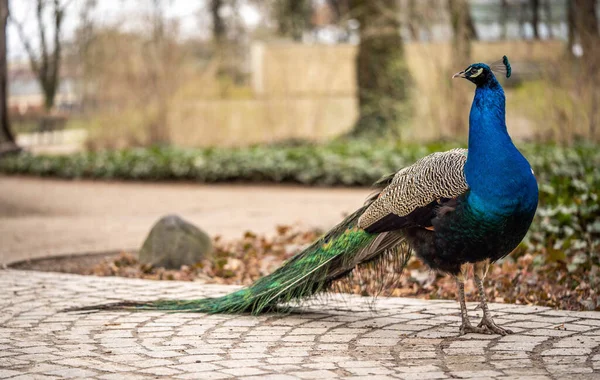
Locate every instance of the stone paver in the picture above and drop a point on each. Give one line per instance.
(347, 337)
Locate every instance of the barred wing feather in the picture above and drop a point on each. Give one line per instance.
(436, 176)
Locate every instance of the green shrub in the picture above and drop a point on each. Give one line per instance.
(568, 218)
(353, 163)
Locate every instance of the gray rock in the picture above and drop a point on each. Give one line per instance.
(173, 242)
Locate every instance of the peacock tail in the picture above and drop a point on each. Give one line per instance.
(314, 270)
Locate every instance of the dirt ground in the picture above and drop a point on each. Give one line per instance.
(77, 264)
(43, 217)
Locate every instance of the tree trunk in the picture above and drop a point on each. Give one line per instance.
(49, 91)
(339, 9)
(470, 23)
(413, 20)
(7, 139)
(535, 18)
(218, 25)
(461, 26)
(586, 28)
(382, 77)
(548, 11)
(219, 37)
(292, 18)
(504, 18)
(461, 57)
(83, 43)
(570, 25)
(523, 20)
(158, 131)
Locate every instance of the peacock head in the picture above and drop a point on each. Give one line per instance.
(480, 73)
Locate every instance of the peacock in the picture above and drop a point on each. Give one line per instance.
(452, 209)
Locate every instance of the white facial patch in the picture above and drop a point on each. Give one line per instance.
(477, 73)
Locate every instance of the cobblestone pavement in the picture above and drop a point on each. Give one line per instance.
(347, 337)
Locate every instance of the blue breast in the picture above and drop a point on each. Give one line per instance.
(500, 179)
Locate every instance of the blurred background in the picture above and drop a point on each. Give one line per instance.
(123, 73)
(306, 92)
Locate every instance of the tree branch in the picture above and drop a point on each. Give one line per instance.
(58, 18)
(46, 64)
(26, 44)
(43, 72)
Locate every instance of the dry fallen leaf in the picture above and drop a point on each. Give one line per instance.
(517, 279)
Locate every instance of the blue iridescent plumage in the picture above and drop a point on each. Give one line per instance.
(500, 178)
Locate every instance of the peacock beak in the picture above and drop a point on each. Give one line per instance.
(460, 74)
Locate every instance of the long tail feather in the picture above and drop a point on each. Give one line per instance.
(311, 271)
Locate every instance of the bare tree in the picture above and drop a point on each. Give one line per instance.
(46, 65)
(340, 8)
(585, 29)
(158, 131)
(219, 34)
(7, 139)
(218, 24)
(504, 17)
(340, 14)
(420, 16)
(548, 10)
(570, 25)
(414, 20)
(228, 34)
(292, 17)
(382, 75)
(470, 23)
(461, 56)
(83, 44)
(460, 18)
(535, 18)
(522, 17)
(586, 25)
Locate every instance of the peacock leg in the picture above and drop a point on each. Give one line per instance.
(481, 269)
(466, 326)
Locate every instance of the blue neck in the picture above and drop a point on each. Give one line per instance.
(495, 170)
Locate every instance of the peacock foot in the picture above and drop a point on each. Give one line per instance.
(466, 328)
(488, 323)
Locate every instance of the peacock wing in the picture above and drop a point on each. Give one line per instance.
(412, 195)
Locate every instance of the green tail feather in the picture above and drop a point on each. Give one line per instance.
(311, 271)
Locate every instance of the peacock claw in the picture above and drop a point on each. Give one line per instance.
(466, 328)
(489, 324)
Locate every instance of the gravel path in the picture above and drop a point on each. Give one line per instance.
(42, 217)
